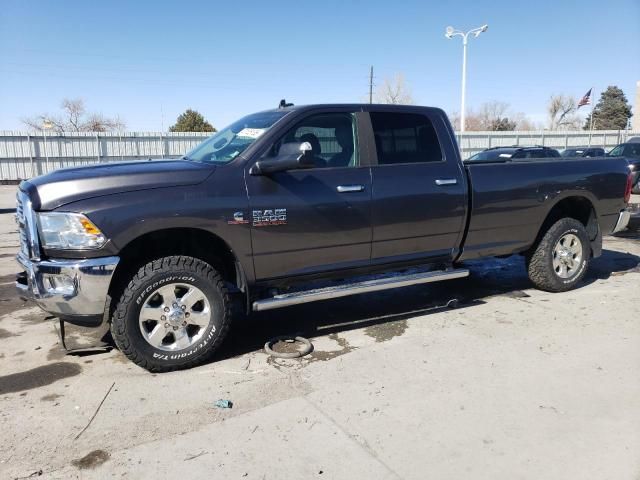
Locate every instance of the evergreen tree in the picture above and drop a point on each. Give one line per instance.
(612, 112)
(191, 121)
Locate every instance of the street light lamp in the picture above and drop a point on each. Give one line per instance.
(451, 32)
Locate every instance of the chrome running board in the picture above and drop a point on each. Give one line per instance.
(344, 290)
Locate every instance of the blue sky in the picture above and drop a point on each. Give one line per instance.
(225, 59)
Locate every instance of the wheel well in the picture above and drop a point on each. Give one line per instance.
(191, 242)
(576, 207)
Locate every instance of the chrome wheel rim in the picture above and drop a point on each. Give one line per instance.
(567, 256)
(174, 317)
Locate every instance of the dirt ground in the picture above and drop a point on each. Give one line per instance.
(512, 383)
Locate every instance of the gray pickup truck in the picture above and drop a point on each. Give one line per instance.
(294, 205)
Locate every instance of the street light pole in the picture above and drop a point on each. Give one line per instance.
(451, 32)
(464, 84)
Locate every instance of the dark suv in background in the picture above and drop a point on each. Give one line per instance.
(575, 152)
(497, 154)
(631, 151)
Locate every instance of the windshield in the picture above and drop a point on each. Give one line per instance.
(617, 152)
(230, 142)
(626, 150)
(491, 156)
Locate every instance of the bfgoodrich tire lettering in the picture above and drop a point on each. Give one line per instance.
(540, 262)
(180, 271)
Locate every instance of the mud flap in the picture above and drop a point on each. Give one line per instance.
(76, 339)
(596, 245)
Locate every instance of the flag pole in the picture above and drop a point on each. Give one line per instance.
(593, 103)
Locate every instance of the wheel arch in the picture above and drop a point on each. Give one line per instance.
(580, 207)
(187, 241)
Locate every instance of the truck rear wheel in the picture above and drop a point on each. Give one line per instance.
(561, 258)
(174, 314)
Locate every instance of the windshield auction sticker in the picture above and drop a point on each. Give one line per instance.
(250, 132)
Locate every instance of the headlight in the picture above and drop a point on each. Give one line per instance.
(69, 231)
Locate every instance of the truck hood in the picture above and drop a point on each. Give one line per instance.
(60, 187)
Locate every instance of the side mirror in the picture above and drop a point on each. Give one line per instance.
(292, 156)
(305, 159)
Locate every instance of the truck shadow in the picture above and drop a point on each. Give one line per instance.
(489, 277)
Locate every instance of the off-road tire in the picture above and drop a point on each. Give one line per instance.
(125, 327)
(539, 261)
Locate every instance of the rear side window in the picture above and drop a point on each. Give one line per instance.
(405, 138)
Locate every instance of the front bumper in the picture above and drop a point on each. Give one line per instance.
(72, 290)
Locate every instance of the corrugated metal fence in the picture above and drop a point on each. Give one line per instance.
(474, 142)
(24, 155)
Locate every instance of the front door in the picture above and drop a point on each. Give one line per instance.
(316, 219)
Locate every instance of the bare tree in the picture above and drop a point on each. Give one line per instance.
(73, 110)
(491, 113)
(96, 122)
(37, 122)
(454, 119)
(394, 91)
(492, 116)
(562, 113)
(524, 123)
(74, 118)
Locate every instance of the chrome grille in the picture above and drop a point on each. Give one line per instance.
(22, 226)
(26, 223)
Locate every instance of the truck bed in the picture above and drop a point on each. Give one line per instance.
(509, 201)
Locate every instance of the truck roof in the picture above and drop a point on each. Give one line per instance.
(354, 106)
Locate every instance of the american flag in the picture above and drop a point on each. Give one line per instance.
(586, 100)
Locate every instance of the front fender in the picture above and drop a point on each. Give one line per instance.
(210, 206)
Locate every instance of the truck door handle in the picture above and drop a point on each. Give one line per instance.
(350, 188)
(446, 181)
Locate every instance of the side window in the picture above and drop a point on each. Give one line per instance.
(405, 138)
(332, 137)
(551, 153)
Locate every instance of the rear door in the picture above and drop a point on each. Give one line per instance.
(318, 219)
(419, 202)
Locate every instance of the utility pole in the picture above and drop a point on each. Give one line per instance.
(371, 85)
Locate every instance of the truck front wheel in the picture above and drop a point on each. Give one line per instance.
(174, 314)
(561, 258)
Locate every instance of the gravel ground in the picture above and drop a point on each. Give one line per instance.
(514, 383)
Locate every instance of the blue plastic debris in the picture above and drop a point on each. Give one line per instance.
(223, 404)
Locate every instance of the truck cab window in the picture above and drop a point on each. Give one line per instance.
(405, 138)
(332, 137)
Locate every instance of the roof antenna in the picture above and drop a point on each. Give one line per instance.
(284, 104)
